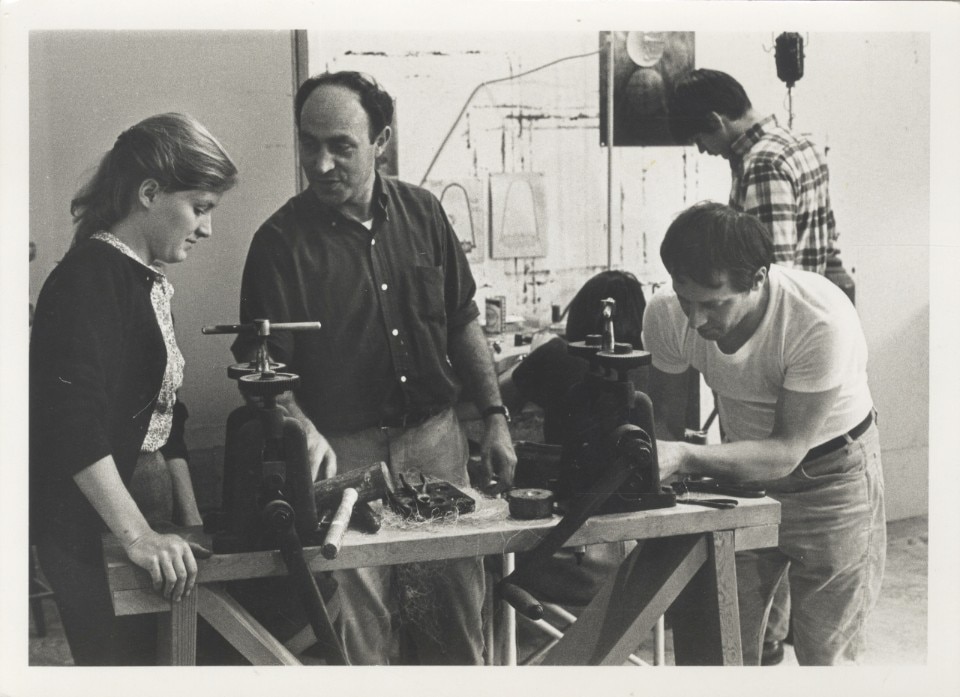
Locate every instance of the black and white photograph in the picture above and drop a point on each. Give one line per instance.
(430, 341)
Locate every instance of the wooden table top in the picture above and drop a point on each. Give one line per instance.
(488, 530)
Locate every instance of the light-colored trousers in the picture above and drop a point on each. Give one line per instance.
(428, 613)
(833, 549)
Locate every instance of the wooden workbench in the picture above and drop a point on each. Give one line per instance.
(686, 552)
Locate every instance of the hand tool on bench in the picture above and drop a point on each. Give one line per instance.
(709, 503)
(351, 492)
(714, 486)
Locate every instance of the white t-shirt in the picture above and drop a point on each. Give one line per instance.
(809, 340)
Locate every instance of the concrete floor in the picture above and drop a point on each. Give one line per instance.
(897, 628)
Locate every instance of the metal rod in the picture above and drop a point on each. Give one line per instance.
(610, 82)
(659, 652)
(509, 616)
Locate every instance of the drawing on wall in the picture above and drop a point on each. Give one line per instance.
(518, 215)
(646, 65)
(464, 203)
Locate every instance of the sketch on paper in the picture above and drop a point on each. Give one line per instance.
(464, 203)
(518, 215)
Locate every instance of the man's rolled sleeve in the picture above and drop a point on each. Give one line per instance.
(459, 285)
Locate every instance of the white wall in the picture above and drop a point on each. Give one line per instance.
(87, 87)
(864, 98)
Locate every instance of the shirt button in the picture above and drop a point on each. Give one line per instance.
(395, 332)
(403, 378)
(372, 242)
(383, 286)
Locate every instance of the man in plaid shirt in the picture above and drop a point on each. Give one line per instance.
(778, 176)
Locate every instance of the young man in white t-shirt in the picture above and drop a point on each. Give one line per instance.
(784, 352)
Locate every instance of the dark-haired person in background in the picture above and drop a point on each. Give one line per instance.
(377, 263)
(106, 428)
(778, 176)
(784, 352)
(548, 371)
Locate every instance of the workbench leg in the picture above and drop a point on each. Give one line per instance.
(706, 617)
(177, 633)
(629, 603)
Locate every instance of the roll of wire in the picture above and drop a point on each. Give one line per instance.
(530, 504)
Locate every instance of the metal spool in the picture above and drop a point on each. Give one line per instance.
(238, 370)
(268, 384)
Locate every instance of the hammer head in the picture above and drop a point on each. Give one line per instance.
(371, 483)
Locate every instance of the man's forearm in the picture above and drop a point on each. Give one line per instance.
(748, 460)
(473, 362)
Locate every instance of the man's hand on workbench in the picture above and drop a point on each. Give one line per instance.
(323, 460)
(496, 452)
(670, 457)
(170, 560)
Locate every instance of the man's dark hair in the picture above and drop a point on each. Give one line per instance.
(700, 92)
(375, 100)
(709, 239)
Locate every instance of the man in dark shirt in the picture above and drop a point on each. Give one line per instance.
(376, 262)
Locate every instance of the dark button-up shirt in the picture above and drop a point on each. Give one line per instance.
(386, 299)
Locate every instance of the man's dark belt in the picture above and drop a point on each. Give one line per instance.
(839, 441)
(411, 418)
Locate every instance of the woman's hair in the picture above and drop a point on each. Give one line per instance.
(173, 149)
(711, 239)
(585, 313)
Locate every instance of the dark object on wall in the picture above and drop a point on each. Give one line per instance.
(645, 67)
(789, 57)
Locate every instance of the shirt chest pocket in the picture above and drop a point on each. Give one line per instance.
(423, 290)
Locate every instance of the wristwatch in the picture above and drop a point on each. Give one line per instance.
(496, 409)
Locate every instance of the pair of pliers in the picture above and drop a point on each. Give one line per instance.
(712, 486)
(710, 503)
(420, 494)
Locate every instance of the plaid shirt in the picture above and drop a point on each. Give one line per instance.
(780, 178)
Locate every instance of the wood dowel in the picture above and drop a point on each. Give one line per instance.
(338, 526)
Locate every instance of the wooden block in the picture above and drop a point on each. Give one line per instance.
(757, 537)
(138, 602)
(301, 641)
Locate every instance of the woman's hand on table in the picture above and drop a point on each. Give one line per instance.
(170, 560)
